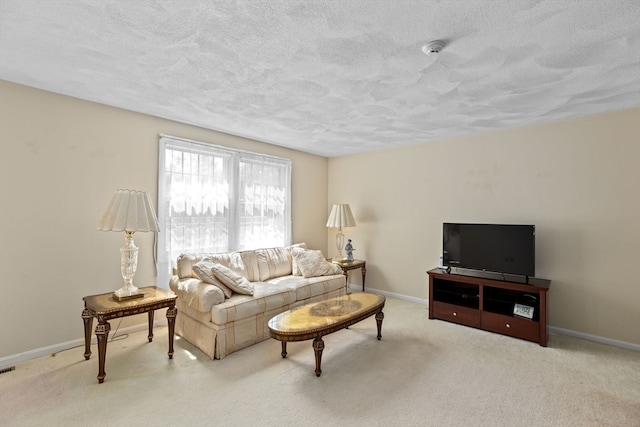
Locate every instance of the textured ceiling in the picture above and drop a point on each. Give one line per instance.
(332, 77)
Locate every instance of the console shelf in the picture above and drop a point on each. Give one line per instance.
(489, 304)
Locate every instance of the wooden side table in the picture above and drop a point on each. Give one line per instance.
(104, 308)
(353, 265)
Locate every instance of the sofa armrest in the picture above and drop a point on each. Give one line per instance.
(196, 294)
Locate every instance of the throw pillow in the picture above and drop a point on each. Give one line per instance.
(232, 280)
(295, 270)
(232, 260)
(203, 270)
(313, 264)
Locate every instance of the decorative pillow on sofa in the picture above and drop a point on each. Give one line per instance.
(295, 270)
(203, 270)
(313, 264)
(232, 260)
(232, 280)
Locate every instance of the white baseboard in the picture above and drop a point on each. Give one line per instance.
(561, 331)
(595, 338)
(393, 295)
(14, 359)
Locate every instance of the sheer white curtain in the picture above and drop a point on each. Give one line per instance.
(263, 209)
(216, 199)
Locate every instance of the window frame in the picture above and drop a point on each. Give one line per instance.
(165, 261)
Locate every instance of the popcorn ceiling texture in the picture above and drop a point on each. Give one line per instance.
(332, 77)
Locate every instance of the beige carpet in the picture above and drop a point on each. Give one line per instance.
(423, 373)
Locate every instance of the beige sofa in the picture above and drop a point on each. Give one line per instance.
(225, 300)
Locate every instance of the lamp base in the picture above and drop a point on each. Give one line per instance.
(128, 266)
(125, 294)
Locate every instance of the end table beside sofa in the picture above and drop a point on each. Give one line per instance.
(105, 308)
(353, 265)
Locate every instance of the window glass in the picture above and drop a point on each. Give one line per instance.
(216, 199)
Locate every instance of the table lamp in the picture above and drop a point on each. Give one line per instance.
(129, 211)
(339, 217)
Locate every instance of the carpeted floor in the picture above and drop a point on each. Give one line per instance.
(422, 373)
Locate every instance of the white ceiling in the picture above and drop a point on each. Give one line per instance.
(332, 77)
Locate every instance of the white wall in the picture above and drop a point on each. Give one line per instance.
(577, 180)
(60, 161)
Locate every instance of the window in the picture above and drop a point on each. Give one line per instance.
(217, 199)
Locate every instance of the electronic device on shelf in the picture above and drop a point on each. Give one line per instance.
(507, 249)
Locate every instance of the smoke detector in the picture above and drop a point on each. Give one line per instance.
(433, 47)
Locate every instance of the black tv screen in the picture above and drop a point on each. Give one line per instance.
(500, 248)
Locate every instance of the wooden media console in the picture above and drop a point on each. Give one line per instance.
(505, 307)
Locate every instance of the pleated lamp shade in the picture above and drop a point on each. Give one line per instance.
(341, 216)
(129, 211)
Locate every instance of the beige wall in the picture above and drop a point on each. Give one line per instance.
(578, 181)
(61, 160)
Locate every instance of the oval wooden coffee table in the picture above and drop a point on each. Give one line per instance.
(321, 318)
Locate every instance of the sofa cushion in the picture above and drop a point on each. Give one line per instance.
(203, 270)
(314, 287)
(250, 261)
(266, 297)
(273, 262)
(232, 280)
(185, 263)
(232, 260)
(313, 264)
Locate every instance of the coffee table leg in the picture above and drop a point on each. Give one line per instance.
(318, 346)
(379, 318)
(150, 337)
(284, 349)
(172, 312)
(88, 323)
(102, 333)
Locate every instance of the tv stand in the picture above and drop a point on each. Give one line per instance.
(489, 304)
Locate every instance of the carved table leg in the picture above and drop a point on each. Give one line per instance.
(172, 312)
(284, 349)
(346, 280)
(318, 346)
(102, 333)
(364, 275)
(379, 318)
(88, 323)
(150, 337)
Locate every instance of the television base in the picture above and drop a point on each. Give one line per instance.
(492, 305)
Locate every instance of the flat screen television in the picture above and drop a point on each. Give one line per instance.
(499, 248)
